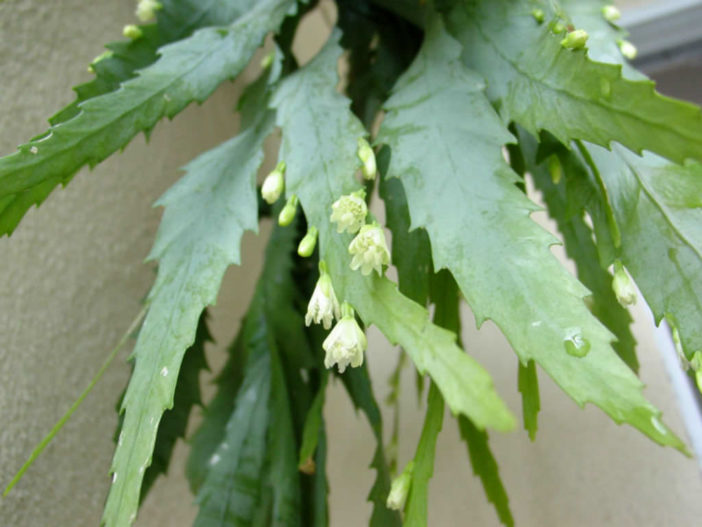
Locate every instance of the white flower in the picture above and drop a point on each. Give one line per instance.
(366, 154)
(146, 9)
(323, 306)
(623, 286)
(274, 184)
(369, 250)
(349, 212)
(346, 343)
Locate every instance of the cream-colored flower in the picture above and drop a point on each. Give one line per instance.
(367, 156)
(346, 343)
(623, 286)
(349, 212)
(369, 250)
(323, 306)
(146, 9)
(274, 184)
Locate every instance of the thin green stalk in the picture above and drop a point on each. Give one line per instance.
(64, 419)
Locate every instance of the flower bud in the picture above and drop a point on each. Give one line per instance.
(267, 60)
(287, 215)
(274, 184)
(697, 367)
(399, 489)
(611, 13)
(627, 49)
(575, 39)
(623, 286)
(146, 9)
(308, 243)
(132, 31)
(538, 15)
(367, 156)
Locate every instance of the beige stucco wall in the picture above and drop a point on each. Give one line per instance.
(70, 282)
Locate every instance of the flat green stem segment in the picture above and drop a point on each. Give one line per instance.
(416, 511)
(206, 214)
(446, 143)
(319, 146)
(65, 417)
(188, 70)
(528, 384)
(542, 85)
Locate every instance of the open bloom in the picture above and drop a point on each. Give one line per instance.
(369, 250)
(349, 212)
(346, 343)
(146, 9)
(323, 306)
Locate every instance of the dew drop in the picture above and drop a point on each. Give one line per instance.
(121, 438)
(33, 150)
(575, 344)
(164, 372)
(214, 459)
(114, 477)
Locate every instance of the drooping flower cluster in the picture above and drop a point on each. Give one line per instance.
(346, 343)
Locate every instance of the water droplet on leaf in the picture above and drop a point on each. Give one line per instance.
(575, 344)
(164, 372)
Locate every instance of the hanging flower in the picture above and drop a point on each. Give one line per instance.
(323, 306)
(346, 343)
(349, 212)
(369, 250)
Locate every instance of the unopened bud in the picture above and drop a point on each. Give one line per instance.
(146, 9)
(308, 243)
(366, 154)
(274, 184)
(558, 27)
(132, 31)
(287, 215)
(575, 39)
(627, 49)
(538, 15)
(400, 488)
(611, 13)
(623, 286)
(555, 169)
(267, 60)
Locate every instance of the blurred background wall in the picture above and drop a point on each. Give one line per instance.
(71, 278)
